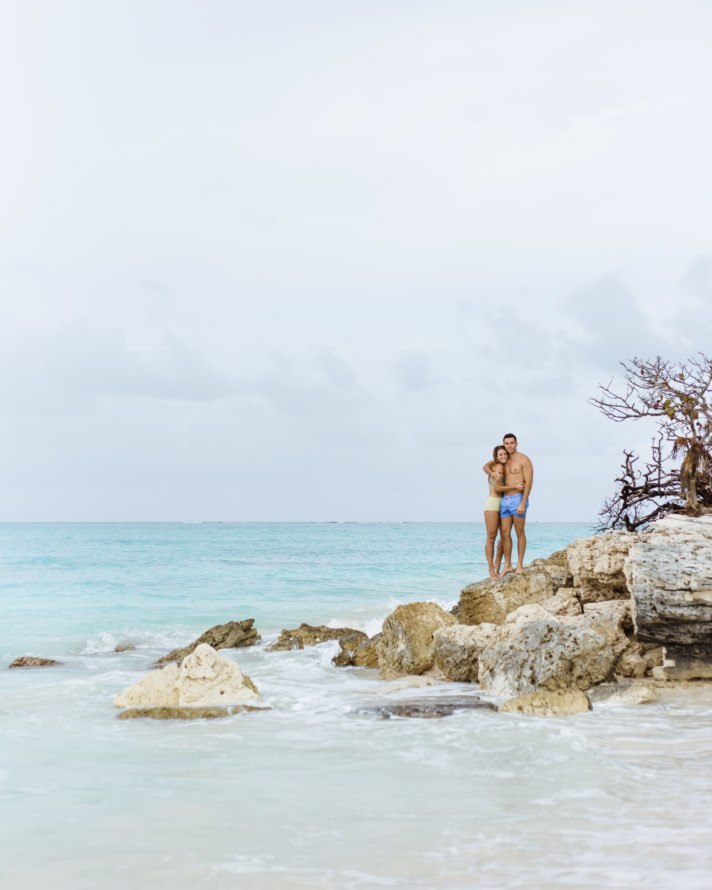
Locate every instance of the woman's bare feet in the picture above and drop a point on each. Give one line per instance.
(494, 575)
(508, 570)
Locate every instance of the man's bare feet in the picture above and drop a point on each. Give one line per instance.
(519, 570)
(494, 575)
(508, 570)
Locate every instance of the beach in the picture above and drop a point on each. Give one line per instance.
(319, 791)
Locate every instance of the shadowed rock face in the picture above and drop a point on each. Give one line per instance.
(233, 635)
(356, 652)
(168, 713)
(27, 661)
(427, 708)
(310, 635)
(407, 645)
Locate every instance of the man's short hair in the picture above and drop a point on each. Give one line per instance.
(509, 436)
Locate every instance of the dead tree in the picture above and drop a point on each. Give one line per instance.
(679, 396)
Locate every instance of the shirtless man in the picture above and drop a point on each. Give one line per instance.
(513, 509)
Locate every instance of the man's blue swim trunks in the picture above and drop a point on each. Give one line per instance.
(509, 505)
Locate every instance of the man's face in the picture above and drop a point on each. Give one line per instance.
(510, 444)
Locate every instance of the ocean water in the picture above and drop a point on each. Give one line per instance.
(313, 793)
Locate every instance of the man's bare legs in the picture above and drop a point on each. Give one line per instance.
(519, 522)
(506, 533)
(492, 527)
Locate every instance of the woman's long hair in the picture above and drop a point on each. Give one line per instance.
(494, 453)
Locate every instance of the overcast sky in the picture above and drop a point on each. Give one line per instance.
(310, 260)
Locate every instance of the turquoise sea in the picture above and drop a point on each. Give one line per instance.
(312, 794)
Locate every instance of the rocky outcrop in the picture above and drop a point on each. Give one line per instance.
(310, 635)
(357, 652)
(407, 645)
(669, 575)
(28, 661)
(490, 601)
(545, 654)
(233, 635)
(548, 703)
(597, 565)
(457, 649)
(203, 679)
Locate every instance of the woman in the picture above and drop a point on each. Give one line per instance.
(496, 489)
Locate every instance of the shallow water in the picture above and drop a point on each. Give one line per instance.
(313, 793)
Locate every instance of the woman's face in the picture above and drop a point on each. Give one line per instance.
(502, 456)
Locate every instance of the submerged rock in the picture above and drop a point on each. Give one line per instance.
(195, 713)
(124, 647)
(233, 635)
(356, 652)
(624, 692)
(28, 661)
(407, 645)
(548, 703)
(310, 635)
(204, 678)
(427, 708)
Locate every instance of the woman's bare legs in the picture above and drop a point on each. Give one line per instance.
(491, 527)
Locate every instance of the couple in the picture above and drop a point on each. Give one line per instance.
(510, 481)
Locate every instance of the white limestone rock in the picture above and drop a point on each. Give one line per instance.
(548, 654)
(203, 679)
(597, 565)
(458, 647)
(564, 602)
(669, 574)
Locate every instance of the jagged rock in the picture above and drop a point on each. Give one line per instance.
(458, 647)
(564, 602)
(548, 703)
(204, 678)
(597, 565)
(638, 660)
(559, 558)
(616, 612)
(677, 665)
(309, 635)
(28, 661)
(623, 692)
(124, 647)
(355, 652)
(233, 635)
(406, 645)
(426, 707)
(669, 574)
(550, 654)
(197, 713)
(492, 600)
